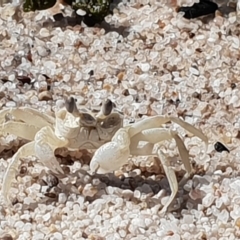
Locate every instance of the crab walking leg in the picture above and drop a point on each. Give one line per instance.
(46, 142)
(28, 115)
(158, 121)
(171, 176)
(157, 135)
(106, 109)
(19, 129)
(170, 173)
(25, 151)
(191, 129)
(112, 155)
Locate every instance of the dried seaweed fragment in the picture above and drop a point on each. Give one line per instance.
(96, 10)
(91, 11)
(204, 7)
(33, 5)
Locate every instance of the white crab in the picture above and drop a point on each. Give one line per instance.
(112, 155)
(69, 128)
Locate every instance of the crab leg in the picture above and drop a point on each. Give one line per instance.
(111, 156)
(157, 135)
(191, 129)
(154, 136)
(106, 109)
(158, 121)
(171, 176)
(28, 115)
(46, 142)
(19, 129)
(25, 151)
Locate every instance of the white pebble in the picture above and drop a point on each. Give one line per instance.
(194, 71)
(144, 67)
(37, 235)
(57, 236)
(62, 198)
(46, 217)
(19, 224)
(139, 222)
(137, 194)
(44, 32)
(208, 200)
(81, 12)
(10, 104)
(43, 51)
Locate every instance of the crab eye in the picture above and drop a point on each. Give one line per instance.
(107, 107)
(70, 104)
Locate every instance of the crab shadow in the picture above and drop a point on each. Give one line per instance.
(65, 22)
(148, 190)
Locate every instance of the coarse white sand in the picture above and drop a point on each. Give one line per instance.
(148, 60)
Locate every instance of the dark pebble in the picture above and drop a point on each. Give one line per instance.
(24, 79)
(219, 147)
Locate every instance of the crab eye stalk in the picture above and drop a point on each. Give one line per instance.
(71, 107)
(107, 107)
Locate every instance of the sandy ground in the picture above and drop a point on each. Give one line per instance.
(148, 60)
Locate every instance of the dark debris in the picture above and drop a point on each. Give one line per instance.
(203, 8)
(219, 147)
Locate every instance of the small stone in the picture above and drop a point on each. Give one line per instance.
(208, 200)
(45, 96)
(50, 194)
(24, 79)
(139, 222)
(81, 12)
(196, 95)
(57, 236)
(89, 190)
(43, 51)
(44, 32)
(11, 77)
(53, 228)
(122, 233)
(194, 71)
(145, 67)
(10, 104)
(50, 180)
(237, 222)
(66, 77)
(145, 188)
(137, 194)
(23, 170)
(62, 198)
(127, 194)
(28, 200)
(219, 147)
(8, 12)
(120, 76)
(233, 85)
(46, 217)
